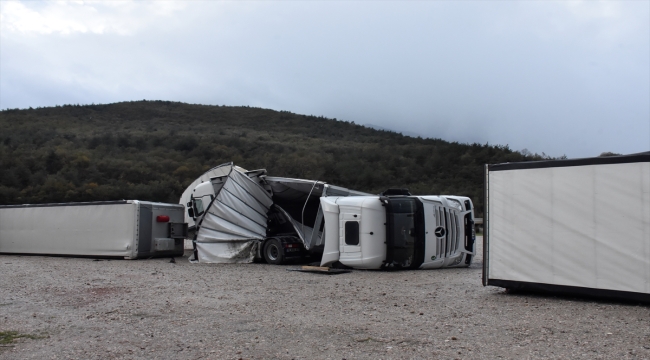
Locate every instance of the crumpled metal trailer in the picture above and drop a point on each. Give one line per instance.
(130, 229)
(234, 211)
(579, 226)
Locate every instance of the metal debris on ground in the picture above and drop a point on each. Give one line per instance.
(320, 270)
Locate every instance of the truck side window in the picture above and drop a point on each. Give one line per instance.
(206, 200)
(352, 233)
(198, 207)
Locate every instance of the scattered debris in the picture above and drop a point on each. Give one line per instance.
(320, 270)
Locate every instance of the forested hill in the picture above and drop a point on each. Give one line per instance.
(151, 150)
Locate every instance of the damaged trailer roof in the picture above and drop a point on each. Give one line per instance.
(234, 219)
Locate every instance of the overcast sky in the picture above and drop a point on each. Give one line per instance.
(556, 77)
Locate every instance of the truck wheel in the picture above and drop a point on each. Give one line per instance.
(273, 253)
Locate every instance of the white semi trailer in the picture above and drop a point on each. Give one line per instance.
(578, 226)
(130, 229)
(242, 215)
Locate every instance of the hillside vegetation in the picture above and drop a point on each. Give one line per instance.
(151, 150)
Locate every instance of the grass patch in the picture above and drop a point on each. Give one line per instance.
(7, 337)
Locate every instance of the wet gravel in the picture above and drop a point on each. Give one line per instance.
(79, 308)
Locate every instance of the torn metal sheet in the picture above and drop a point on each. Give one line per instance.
(227, 252)
(304, 232)
(234, 221)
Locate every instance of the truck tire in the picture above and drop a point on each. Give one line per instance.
(273, 253)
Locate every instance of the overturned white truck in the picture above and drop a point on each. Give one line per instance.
(240, 216)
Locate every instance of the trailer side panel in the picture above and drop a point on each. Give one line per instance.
(577, 225)
(95, 229)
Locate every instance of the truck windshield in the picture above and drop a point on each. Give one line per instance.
(404, 232)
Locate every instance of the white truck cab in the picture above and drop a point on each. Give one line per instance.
(407, 232)
(201, 197)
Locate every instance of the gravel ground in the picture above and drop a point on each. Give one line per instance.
(82, 308)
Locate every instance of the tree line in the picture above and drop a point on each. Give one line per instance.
(152, 150)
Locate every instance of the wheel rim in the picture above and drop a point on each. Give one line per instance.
(272, 252)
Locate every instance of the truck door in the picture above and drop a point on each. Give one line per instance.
(349, 232)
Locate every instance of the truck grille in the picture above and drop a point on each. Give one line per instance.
(447, 219)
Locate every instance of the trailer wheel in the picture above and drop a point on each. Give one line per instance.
(273, 253)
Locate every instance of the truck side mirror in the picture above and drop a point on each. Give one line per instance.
(190, 212)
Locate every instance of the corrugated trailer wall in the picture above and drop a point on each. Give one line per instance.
(578, 226)
(117, 229)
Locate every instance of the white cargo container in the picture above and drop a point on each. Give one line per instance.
(130, 229)
(573, 226)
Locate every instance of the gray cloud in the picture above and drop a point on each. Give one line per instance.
(560, 77)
